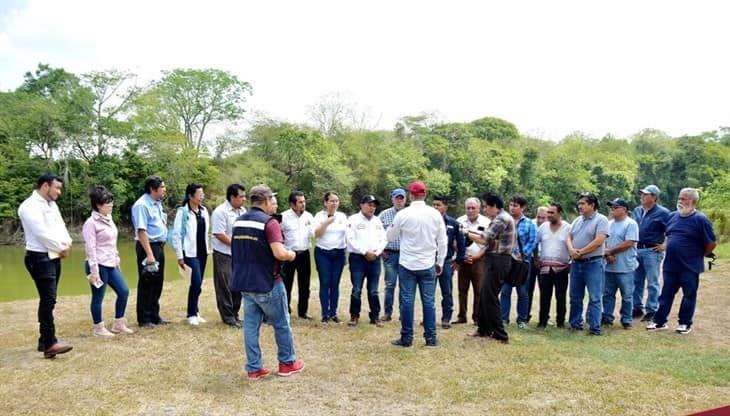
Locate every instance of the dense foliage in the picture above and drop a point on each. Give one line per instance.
(101, 128)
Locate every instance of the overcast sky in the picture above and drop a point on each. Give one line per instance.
(550, 67)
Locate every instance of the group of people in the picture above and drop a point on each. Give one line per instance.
(257, 253)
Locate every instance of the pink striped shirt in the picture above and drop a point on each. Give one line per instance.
(100, 238)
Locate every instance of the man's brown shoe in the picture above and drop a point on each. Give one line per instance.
(55, 349)
(353, 321)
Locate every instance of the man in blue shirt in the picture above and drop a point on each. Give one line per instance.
(527, 234)
(150, 233)
(652, 220)
(391, 254)
(620, 255)
(455, 242)
(689, 239)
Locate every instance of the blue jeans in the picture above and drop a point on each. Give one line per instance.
(426, 282)
(648, 271)
(624, 282)
(586, 274)
(329, 268)
(689, 281)
(523, 299)
(391, 279)
(361, 269)
(196, 282)
(112, 277)
(272, 306)
(447, 298)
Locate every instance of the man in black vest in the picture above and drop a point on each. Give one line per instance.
(257, 251)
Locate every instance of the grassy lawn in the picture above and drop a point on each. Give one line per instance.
(177, 369)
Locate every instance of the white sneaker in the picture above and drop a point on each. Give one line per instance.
(654, 327)
(200, 319)
(683, 329)
(101, 331)
(193, 320)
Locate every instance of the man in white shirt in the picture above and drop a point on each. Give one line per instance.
(365, 242)
(46, 242)
(297, 226)
(473, 267)
(222, 220)
(422, 235)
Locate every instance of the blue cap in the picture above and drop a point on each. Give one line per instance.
(398, 192)
(651, 189)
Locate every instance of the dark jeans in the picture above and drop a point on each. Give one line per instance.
(361, 269)
(149, 286)
(329, 267)
(112, 277)
(532, 279)
(547, 282)
(303, 267)
(45, 273)
(490, 319)
(689, 282)
(470, 274)
(197, 264)
(229, 302)
(446, 284)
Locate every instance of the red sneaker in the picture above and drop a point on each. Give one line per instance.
(286, 370)
(260, 373)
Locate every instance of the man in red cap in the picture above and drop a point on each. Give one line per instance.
(422, 234)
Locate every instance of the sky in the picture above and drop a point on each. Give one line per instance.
(551, 68)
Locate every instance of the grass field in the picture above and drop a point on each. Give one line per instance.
(177, 369)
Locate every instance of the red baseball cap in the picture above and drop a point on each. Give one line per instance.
(417, 188)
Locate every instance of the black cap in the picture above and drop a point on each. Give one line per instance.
(368, 199)
(618, 202)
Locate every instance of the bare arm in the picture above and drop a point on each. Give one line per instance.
(223, 238)
(281, 253)
(625, 245)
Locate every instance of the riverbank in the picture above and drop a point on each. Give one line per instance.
(177, 369)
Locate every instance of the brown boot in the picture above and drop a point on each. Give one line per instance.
(55, 349)
(353, 320)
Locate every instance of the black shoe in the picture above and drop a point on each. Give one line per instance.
(648, 317)
(637, 313)
(445, 324)
(305, 317)
(162, 322)
(387, 318)
(233, 324)
(627, 325)
(432, 343)
(594, 333)
(400, 343)
(335, 319)
(325, 320)
(353, 321)
(376, 322)
(459, 321)
(606, 323)
(574, 329)
(147, 325)
(541, 326)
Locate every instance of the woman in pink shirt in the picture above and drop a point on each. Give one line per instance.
(102, 262)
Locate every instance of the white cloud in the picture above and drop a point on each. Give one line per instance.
(549, 67)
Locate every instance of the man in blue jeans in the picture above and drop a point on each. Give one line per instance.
(391, 254)
(585, 245)
(365, 242)
(621, 262)
(257, 252)
(456, 243)
(652, 220)
(689, 239)
(422, 236)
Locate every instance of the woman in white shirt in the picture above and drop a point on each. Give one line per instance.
(329, 254)
(190, 241)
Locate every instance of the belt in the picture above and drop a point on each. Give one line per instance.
(391, 251)
(157, 243)
(586, 260)
(642, 245)
(301, 251)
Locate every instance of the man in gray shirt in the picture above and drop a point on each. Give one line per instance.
(585, 245)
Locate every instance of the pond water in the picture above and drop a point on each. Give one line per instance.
(15, 282)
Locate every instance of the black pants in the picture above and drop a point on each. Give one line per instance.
(149, 286)
(302, 264)
(559, 281)
(229, 302)
(470, 274)
(532, 277)
(490, 316)
(45, 273)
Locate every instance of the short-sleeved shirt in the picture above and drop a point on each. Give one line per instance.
(552, 243)
(620, 231)
(274, 235)
(584, 230)
(221, 222)
(148, 215)
(334, 235)
(686, 241)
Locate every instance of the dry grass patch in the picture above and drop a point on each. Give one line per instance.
(176, 369)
